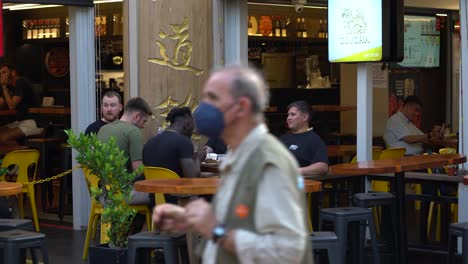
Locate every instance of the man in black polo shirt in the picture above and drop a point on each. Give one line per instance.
(307, 147)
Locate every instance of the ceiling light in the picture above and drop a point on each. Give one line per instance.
(27, 7)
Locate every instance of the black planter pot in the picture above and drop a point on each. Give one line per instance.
(100, 254)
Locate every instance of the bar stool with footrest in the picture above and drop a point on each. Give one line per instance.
(455, 231)
(329, 241)
(23, 159)
(10, 224)
(173, 245)
(13, 241)
(341, 217)
(378, 200)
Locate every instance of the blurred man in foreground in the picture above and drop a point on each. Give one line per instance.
(258, 214)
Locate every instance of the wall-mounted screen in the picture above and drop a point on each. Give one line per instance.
(421, 42)
(354, 30)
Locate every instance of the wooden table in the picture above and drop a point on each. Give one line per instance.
(198, 186)
(398, 167)
(333, 108)
(345, 150)
(10, 188)
(4, 149)
(9, 112)
(50, 110)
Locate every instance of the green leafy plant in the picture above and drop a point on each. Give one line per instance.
(108, 163)
(3, 171)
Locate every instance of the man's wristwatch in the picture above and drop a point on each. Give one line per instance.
(219, 231)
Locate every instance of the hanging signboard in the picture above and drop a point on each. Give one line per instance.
(365, 30)
(355, 30)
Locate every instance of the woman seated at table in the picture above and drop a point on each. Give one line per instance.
(307, 147)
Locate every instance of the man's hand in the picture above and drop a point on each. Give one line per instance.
(200, 217)
(170, 217)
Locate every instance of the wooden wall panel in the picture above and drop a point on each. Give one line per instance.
(158, 82)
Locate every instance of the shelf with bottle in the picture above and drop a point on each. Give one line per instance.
(44, 28)
(283, 28)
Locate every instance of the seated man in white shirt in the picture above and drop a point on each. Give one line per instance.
(401, 132)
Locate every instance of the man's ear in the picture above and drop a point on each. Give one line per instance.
(245, 105)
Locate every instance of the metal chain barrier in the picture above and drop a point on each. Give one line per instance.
(54, 177)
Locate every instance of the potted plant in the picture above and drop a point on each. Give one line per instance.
(108, 163)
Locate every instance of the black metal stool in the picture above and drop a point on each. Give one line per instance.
(13, 241)
(455, 231)
(381, 199)
(343, 216)
(329, 241)
(10, 224)
(171, 244)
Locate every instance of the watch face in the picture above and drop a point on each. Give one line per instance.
(219, 230)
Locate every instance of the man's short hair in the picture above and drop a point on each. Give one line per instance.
(412, 99)
(247, 81)
(9, 66)
(178, 113)
(113, 94)
(137, 104)
(302, 106)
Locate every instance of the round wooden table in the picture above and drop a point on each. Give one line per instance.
(198, 186)
(10, 188)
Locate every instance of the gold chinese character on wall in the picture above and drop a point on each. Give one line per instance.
(182, 53)
(166, 106)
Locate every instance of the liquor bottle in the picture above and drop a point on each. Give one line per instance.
(325, 28)
(67, 27)
(116, 18)
(25, 29)
(29, 29)
(103, 26)
(57, 27)
(284, 23)
(35, 25)
(304, 28)
(97, 26)
(321, 33)
(47, 26)
(299, 27)
(40, 32)
(278, 27)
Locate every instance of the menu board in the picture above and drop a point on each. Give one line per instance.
(355, 32)
(421, 42)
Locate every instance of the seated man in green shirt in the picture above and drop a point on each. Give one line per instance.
(128, 137)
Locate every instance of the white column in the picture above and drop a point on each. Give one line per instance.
(218, 33)
(133, 30)
(235, 32)
(364, 111)
(463, 125)
(83, 97)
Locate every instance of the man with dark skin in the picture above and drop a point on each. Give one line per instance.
(173, 149)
